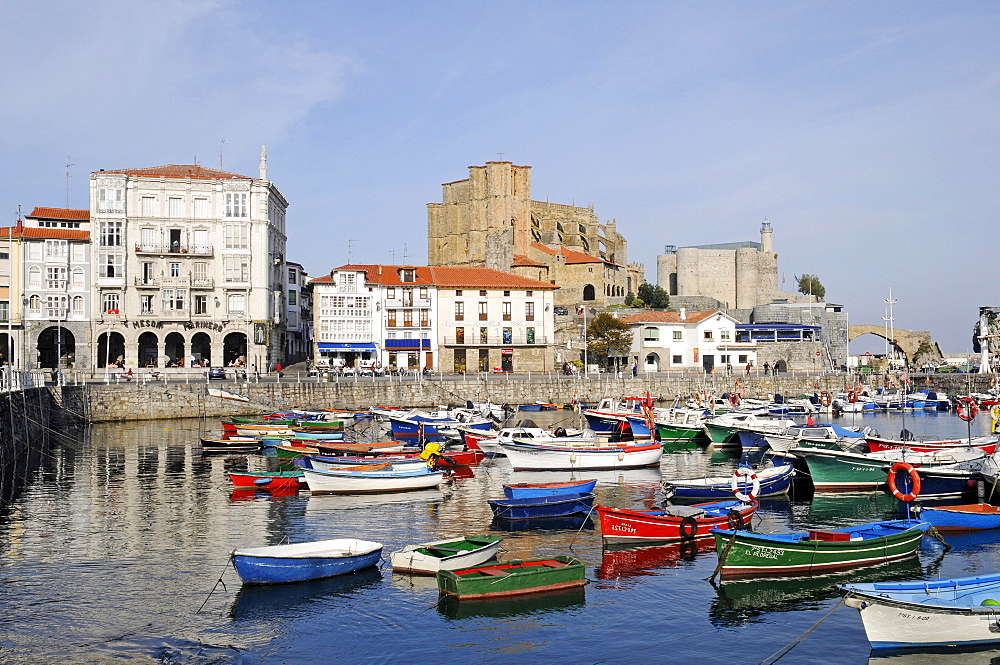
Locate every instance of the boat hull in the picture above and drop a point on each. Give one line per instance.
(431, 558)
(282, 564)
(559, 505)
(751, 555)
(638, 526)
(970, 517)
(361, 482)
(513, 579)
(772, 483)
(555, 458)
(535, 490)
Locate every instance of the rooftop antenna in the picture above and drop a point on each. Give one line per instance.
(350, 247)
(221, 144)
(68, 164)
(501, 156)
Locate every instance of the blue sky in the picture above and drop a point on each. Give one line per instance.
(865, 132)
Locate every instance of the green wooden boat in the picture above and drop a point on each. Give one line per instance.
(320, 424)
(746, 554)
(842, 470)
(512, 578)
(680, 425)
(260, 420)
(721, 434)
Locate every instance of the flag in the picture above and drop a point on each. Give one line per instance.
(809, 422)
(579, 310)
(593, 311)
(782, 278)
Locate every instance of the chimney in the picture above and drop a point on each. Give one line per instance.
(263, 162)
(683, 314)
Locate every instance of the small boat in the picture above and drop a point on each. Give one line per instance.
(229, 445)
(267, 480)
(526, 431)
(534, 490)
(967, 517)
(536, 457)
(371, 481)
(344, 463)
(842, 470)
(317, 435)
(557, 505)
(774, 481)
(292, 452)
(512, 578)
(227, 394)
(672, 522)
(746, 554)
(908, 442)
(820, 435)
(261, 429)
(279, 564)
(448, 554)
(928, 613)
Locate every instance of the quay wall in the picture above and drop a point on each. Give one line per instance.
(123, 402)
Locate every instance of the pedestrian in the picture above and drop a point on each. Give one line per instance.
(277, 368)
(635, 370)
(774, 368)
(767, 368)
(128, 374)
(748, 369)
(729, 369)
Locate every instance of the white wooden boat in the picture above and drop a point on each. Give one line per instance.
(526, 431)
(964, 611)
(829, 435)
(449, 554)
(365, 482)
(537, 457)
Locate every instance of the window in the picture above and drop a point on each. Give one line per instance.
(291, 276)
(77, 278)
(743, 359)
(174, 205)
(34, 251)
(459, 361)
(407, 297)
(55, 306)
(201, 304)
(293, 297)
(200, 271)
(459, 335)
(458, 292)
(482, 294)
(484, 335)
(529, 293)
(175, 269)
(508, 335)
(483, 312)
(110, 200)
(236, 268)
(234, 303)
(678, 335)
(148, 206)
(484, 360)
(145, 304)
(78, 254)
(201, 208)
(147, 238)
(708, 336)
(529, 311)
(408, 275)
(236, 236)
(506, 294)
(459, 311)
(35, 304)
(347, 282)
(408, 318)
(200, 241)
(55, 278)
(529, 335)
(179, 301)
(651, 334)
(111, 302)
(4, 311)
(78, 305)
(390, 293)
(724, 359)
(677, 360)
(111, 265)
(724, 334)
(56, 249)
(506, 311)
(390, 318)
(425, 317)
(423, 293)
(35, 277)
(236, 204)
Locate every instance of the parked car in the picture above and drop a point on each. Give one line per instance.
(216, 373)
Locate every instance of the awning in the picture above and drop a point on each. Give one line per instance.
(346, 346)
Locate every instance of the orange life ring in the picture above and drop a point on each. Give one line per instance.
(825, 398)
(852, 397)
(966, 408)
(914, 481)
(734, 399)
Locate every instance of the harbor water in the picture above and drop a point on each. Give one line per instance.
(115, 550)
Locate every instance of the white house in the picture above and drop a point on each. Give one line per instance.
(664, 341)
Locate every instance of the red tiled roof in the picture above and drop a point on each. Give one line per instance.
(547, 250)
(449, 276)
(522, 260)
(570, 255)
(60, 213)
(179, 171)
(33, 232)
(668, 317)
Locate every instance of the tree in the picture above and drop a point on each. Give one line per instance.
(810, 285)
(609, 337)
(654, 296)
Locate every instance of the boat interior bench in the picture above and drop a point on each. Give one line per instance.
(683, 511)
(443, 550)
(553, 564)
(493, 571)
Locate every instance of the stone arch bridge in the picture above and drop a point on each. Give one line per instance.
(907, 341)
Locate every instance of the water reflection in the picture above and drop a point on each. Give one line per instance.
(623, 561)
(740, 602)
(528, 604)
(571, 523)
(982, 656)
(839, 509)
(265, 603)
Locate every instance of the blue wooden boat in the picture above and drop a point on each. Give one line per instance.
(279, 564)
(968, 517)
(774, 481)
(558, 505)
(957, 612)
(534, 490)
(315, 435)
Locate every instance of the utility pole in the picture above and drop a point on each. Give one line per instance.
(892, 332)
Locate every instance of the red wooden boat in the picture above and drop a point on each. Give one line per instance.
(673, 522)
(460, 458)
(274, 480)
(877, 444)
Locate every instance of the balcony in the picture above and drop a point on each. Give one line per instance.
(496, 340)
(190, 250)
(147, 282)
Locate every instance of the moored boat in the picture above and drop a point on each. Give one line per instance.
(530, 490)
(928, 613)
(966, 517)
(672, 522)
(557, 505)
(773, 480)
(524, 456)
(512, 578)
(268, 480)
(842, 470)
(746, 554)
(370, 481)
(448, 554)
(315, 560)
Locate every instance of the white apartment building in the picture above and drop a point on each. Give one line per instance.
(704, 341)
(415, 317)
(299, 317)
(189, 268)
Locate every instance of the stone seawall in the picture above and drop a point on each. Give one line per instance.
(100, 403)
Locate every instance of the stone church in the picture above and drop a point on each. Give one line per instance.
(490, 220)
